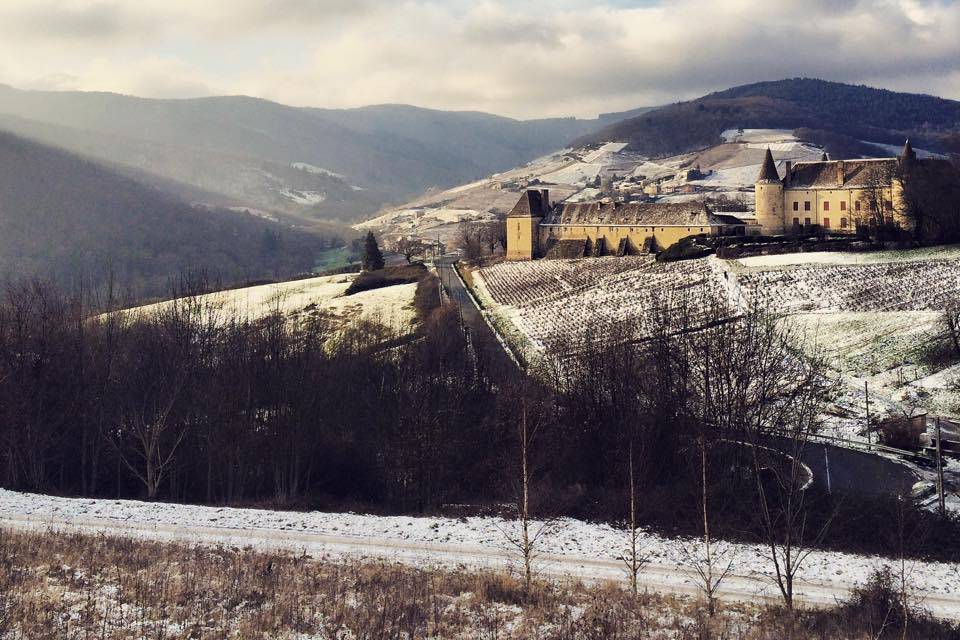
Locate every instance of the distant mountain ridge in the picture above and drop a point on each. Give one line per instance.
(834, 114)
(62, 216)
(242, 151)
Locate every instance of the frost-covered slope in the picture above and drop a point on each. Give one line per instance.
(391, 306)
(572, 547)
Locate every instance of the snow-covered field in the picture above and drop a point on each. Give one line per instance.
(392, 306)
(949, 252)
(569, 547)
(758, 135)
(873, 315)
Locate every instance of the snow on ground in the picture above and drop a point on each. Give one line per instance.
(467, 187)
(948, 252)
(896, 149)
(575, 173)
(745, 176)
(315, 170)
(304, 197)
(567, 537)
(607, 149)
(389, 305)
(758, 135)
(584, 195)
(871, 341)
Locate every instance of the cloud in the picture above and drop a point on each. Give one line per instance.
(522, 57)
(46, 20)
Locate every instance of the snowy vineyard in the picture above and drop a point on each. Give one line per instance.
(556, 304)
(560, 303)
(899, 286)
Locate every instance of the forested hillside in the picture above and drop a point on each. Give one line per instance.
(838, 114)
(62, 216)
(320, 163)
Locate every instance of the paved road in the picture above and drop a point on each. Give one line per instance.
(655, 577)
(841, 470)
(482, 334)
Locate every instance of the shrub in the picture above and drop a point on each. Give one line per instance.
(369, 280)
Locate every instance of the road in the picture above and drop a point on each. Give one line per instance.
(654, 577)
(841, 470)
(472, 316)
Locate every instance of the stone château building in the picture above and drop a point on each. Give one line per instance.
(834, 195)
(536, 228)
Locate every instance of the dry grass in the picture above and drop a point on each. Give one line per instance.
(71, 586)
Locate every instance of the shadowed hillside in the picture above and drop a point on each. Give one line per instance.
(62, 216)
(321, 163)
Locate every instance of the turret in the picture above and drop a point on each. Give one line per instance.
(908, 156)
(523, 224)
(769, 197)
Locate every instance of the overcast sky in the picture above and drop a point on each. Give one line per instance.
(523, 58)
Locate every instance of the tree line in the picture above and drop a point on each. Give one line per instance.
(670, 432)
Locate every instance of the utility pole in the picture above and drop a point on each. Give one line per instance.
(940, 498)
(866, 393)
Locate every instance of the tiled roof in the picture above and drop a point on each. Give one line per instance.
(687, 214)
(532, 203)
(856, 174)
(768, 170)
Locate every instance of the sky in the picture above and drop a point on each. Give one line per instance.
(520, 58)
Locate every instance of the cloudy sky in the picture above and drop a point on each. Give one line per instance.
(523, 58)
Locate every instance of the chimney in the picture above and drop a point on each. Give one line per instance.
(841, 173)
(788, 167)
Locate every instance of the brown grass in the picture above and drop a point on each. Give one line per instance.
(71, 586)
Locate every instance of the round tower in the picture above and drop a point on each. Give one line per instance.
(769, 198)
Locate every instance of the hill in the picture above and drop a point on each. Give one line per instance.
(320, 163)
(838, 116)
(62, 215)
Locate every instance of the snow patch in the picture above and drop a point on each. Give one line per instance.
(304, 197)
(315, 170)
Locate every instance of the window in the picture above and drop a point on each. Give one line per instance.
(806, 205)
(796, 205)
(826, 205)
(843, 223)
(888, 204)
(826, 223)
(856, 205)
(806, 222)
(843, 205)
(796, 222)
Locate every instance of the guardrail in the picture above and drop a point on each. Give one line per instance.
(865, 446)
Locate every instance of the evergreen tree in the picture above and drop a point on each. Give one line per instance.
(372, 258)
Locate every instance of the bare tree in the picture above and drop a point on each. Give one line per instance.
(951, 322)
(470, 240)
(410, 248)
(529, 536)
(634, 559)
(155, 440)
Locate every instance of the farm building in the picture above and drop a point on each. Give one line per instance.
(536, 228)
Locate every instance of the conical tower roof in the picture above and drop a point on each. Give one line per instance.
(824, 157)
(908, 154)
(768, 171)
